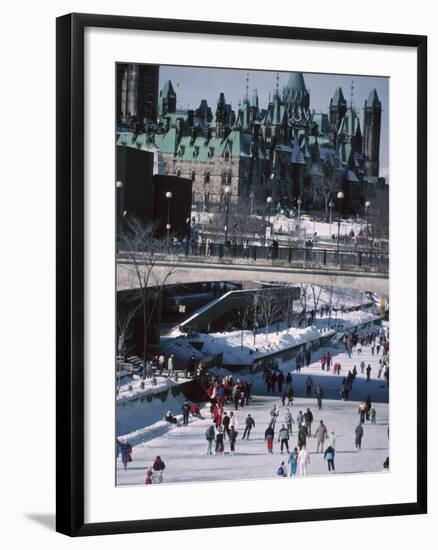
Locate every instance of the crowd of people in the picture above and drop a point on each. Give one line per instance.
(286, 432)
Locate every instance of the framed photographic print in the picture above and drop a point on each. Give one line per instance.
(241, 263)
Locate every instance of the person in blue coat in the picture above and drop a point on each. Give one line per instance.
(329, 455)
(359, 434)
(282, 470)
(293, 461)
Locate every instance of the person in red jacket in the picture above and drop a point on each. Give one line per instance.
(269, 438)
(148, 480)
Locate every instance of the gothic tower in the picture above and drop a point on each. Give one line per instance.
(338, 107)
(167, 102)
(372, 123)
(296, 97)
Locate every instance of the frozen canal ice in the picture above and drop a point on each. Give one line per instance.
(183, 449)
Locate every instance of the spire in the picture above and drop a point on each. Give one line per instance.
(373, 99)
(254, 98)
(296, 92)
(246, 88)
(338, 97)
(351, 94)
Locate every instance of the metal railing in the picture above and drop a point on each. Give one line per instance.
(303, 257)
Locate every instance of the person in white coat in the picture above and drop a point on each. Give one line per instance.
(303, 461)
(332, 439)
(170, 365)
(233, 421)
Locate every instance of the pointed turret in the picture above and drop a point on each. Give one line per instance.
(296, 97)
(167, 100)
(338, 108)
(372, 125)
(373, 100)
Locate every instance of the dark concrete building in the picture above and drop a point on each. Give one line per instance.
(137, 93)
(135, 191)
(174, 210)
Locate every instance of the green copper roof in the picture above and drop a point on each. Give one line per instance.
(373, 99)
(296, 91)
(168, 142)
(277, 111)
(338, 97)
(296, 82)
(350, 124)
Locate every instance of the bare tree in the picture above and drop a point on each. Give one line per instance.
(246, 314)
(138, 245)
(328, 183)
(316, 294)
(127, 308)
(303, 301)
(270, 307)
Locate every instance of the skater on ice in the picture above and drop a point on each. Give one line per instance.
(358, 436)
(283, 438)
(282, 472)
(249, 424)
(269, 438)
(293, 461)
(329, 455)
(158, 468)
(303, 461)
(125, 453)
(209, 436)
(321, 436)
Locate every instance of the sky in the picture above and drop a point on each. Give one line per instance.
(193, 84)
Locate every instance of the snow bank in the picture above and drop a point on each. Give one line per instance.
(238, 347)
(230, 343)
(127, 394)
(145, 410)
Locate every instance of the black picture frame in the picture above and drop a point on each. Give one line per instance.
(70, 272)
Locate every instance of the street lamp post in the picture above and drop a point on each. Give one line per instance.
(227, 191)
(340, 196)
(299, 219)
(367, 207)
(168, 197)
(119, 198)
(268, 202)
(331, 205)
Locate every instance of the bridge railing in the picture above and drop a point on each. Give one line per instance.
(304, 257)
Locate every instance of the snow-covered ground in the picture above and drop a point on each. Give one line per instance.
(184, 449)
(292, 226)
(239, 347)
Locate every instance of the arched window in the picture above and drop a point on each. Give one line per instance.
(227, 155)
(178, 173)
(207, 177)
(193, 177)
(229, 177)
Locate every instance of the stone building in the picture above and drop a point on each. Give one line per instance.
(285, 150)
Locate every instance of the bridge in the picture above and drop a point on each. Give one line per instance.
(366, 271)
